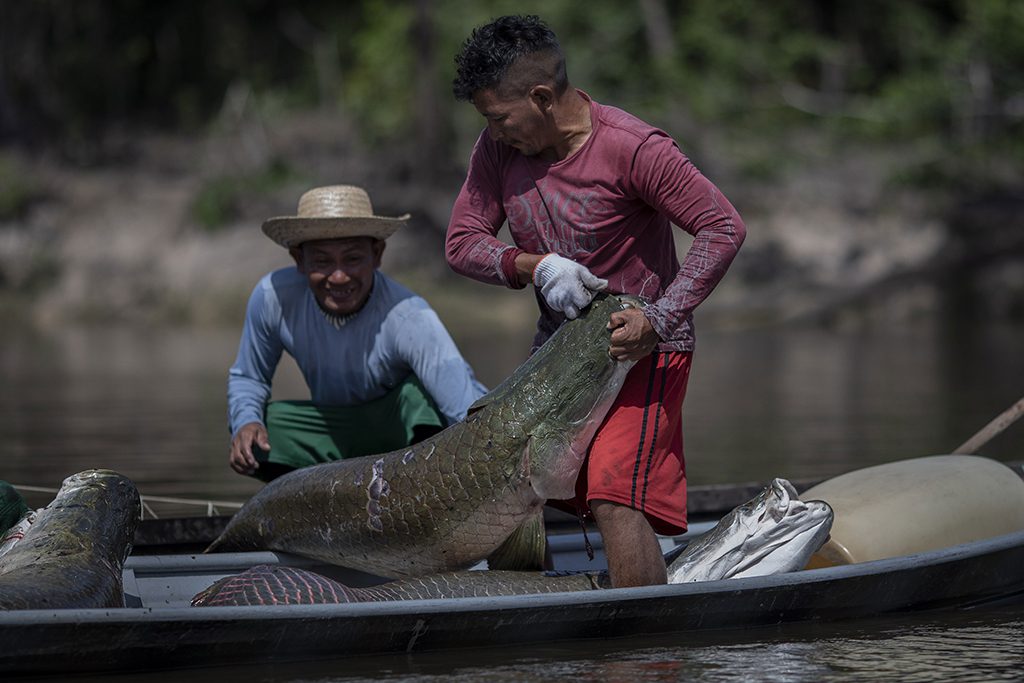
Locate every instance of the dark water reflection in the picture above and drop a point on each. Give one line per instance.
(762, 403)
(959, 646)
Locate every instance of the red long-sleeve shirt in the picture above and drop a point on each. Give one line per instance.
(608, 206)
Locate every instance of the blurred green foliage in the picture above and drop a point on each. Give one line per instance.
(378, 84)
(946, 71)
(222, 198)
(18, 189)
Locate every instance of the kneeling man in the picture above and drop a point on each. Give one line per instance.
(382, 370)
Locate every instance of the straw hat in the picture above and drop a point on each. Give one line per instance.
(333, 212)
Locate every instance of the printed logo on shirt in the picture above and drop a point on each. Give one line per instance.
(562, 222)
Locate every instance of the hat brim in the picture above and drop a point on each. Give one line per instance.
(291, 231)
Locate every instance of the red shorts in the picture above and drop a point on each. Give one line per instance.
(636, 458)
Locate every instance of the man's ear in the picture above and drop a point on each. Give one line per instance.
(542, 96)
(378, 251)
(296, 253)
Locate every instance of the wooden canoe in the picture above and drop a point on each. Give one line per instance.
(159, 630)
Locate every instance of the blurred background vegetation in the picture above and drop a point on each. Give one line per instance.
(946, 72)
(919, 99)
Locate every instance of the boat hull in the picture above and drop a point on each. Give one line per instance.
(94, 640)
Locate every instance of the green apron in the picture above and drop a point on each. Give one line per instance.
(12, 507)
(302, 433)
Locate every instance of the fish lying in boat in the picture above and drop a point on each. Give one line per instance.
(448, 502)
(73, 553)
(773, 532)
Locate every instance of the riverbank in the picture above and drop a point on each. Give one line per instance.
(166, 230)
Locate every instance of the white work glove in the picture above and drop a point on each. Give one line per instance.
(566, 285)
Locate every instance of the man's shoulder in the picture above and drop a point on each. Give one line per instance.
(402, 308)
(283, 282)
(280, 287)
(630, 128)
(289, 276)
(397, 298)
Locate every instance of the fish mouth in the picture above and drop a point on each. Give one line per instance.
(784, 496)
(631, 301)
(778, 521)
(784, 504)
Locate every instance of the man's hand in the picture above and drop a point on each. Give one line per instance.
(633, 337)
(566, 285)
(242, 460)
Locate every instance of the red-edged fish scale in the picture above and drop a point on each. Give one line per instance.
(279, 585)
(274, 585)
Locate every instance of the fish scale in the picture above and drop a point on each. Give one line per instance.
(447, 502)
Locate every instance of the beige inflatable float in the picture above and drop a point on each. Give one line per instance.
(916, 505)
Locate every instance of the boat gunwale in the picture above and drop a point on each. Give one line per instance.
(887, 566)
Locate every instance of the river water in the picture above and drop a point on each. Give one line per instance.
(793, 402)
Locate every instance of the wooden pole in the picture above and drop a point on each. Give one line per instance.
(992, 429)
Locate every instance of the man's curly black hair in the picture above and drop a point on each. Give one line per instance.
(491, 50)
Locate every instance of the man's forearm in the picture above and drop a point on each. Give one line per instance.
(247, 399)
(525, 265)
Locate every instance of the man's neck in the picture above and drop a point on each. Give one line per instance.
(339, 320)
(572, 122)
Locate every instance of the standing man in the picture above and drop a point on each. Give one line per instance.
(590, 193)
(382, 370)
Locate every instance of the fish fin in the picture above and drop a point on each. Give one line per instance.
(524, 549)
(673, 553)
(501, 392)
(552, 464)
(478, 404)
(498, 393)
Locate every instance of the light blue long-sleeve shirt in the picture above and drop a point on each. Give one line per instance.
(394, 335)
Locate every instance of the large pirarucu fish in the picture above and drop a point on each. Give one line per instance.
(448, 502)
(73, 554)
(774, 532)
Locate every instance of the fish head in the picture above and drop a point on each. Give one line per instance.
(573, 383)
(111, 493)
(773, 532)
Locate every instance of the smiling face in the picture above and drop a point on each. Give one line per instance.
(339, 272)
(522, 122)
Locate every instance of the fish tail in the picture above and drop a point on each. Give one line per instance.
(525, 549)
(275, 585)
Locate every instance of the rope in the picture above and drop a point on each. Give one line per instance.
(211, 505)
